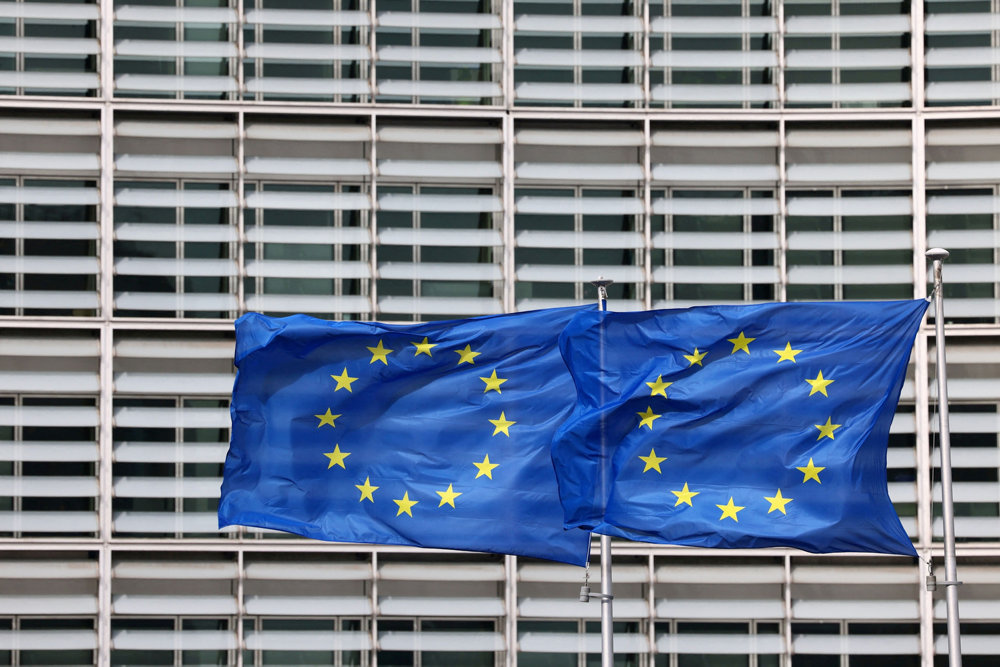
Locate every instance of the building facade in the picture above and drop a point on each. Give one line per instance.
(166, 165)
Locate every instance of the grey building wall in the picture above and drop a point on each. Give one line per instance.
(166, 166)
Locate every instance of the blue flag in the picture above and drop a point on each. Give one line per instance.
(737, 426)
(432, 435)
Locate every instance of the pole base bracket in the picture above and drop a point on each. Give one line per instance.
(587, 596)
(932, 583)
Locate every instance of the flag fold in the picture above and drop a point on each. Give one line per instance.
(737, 426)
(433, 435)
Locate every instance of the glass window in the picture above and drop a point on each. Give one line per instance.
(969, 659)
(174, 261)
(307, 50)
(56, 656)
(955, 40)
(53, 465)
(957, 219)
(50, 52)
(169, 448)
(732, 231)
(578, 54)
(50, 256)
(304, 630)
(450, 56)
(974, 473)
(447, 658)
(438, 261)
(189, 54)
(130, 632)
(852, 54)
(601, 237)
(849, 244)
(313, 261)
(732, 66)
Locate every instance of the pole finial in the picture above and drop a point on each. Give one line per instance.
(936, 254)
(602, 291)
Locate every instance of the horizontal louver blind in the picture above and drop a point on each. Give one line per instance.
(882, 593)
(38, 584)
(580, 217)
(960, 55)
(856, 57)
(723, 592)
(49, 482)
(48, 48)
(48, 215)
(577, 55)
(716, 57)
(845, 242)
(306, 241)
(439, 215)
(720, 55)
(973, 373)
(306, 54)
(163, 51)
(161, 604)
(964, 219)
(175, 242)
(171, 429)
(712, 206)
(439, 57)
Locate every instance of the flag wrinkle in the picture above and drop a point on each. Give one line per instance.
(759, 425)
(432, 435)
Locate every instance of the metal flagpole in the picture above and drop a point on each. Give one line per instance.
(947, 504)
(607, 617)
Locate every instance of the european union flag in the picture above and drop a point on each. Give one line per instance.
(737, 426)
(431, 435)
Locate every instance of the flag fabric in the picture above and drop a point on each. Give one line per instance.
(431, 435)
(737, 426)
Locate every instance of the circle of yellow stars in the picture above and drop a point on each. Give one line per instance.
(380, 354)
(778, 502)
(502, 424)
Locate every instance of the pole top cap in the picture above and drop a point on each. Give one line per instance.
(601, 282)
(936, 254)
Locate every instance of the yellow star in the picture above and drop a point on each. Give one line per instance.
(777, 502)
(423, 347)
(493, 382)
(467, 356)
(810, 472)
(378, 353)
(501, 425)
(730, 510)
(326, 419)
(652, 461)
(647, 418)
(741, 343)
(448, 497)
(695, 358)
(658, 387)
(344, 381)
(485, 468)
(367, 490)
(405, 505)
(826, 430)
(819, 384)
(336, 457)
(788, 354)
(685, 495)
